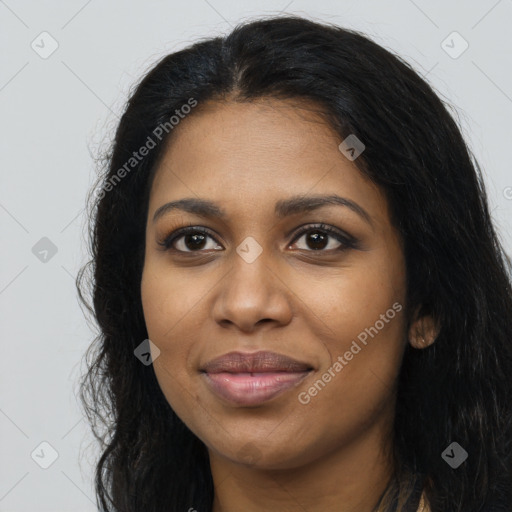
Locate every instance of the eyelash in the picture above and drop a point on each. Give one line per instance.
(347, 242)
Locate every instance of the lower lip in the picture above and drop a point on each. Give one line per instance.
(252, 389)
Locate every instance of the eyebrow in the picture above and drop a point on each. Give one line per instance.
(283, 208)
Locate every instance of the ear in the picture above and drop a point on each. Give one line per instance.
(423, 330)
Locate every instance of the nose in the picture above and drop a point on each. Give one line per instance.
(252, 295)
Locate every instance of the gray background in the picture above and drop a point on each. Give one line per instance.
(57, 111)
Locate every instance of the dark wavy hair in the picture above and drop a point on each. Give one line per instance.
(459, 389)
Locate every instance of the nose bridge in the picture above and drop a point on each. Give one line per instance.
(251, 291)
(252, 266)
(251, 277)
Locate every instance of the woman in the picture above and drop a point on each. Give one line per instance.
(298, 287)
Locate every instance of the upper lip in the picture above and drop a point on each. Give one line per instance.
(263, 361)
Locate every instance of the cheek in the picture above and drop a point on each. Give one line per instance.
(357, 386)
(162, 313)
(171, 305)
(358, 316)
(345, 303)
(168, 298)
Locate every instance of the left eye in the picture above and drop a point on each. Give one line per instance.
(323, 237)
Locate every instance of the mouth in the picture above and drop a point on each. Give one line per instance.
(252, 379)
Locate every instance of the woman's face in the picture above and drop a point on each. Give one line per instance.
(254, 282)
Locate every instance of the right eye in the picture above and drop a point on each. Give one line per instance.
(188, 240)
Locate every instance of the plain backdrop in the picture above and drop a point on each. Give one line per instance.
(57, 108)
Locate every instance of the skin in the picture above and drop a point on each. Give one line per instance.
(332, 453)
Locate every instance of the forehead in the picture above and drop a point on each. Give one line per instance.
(247, 156)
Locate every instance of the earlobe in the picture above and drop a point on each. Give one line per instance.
(423, 331)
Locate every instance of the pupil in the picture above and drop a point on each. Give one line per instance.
(198, 241)
(316, 237)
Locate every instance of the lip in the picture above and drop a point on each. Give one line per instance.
(253, 378)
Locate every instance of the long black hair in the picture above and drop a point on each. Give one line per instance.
(459, 389)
